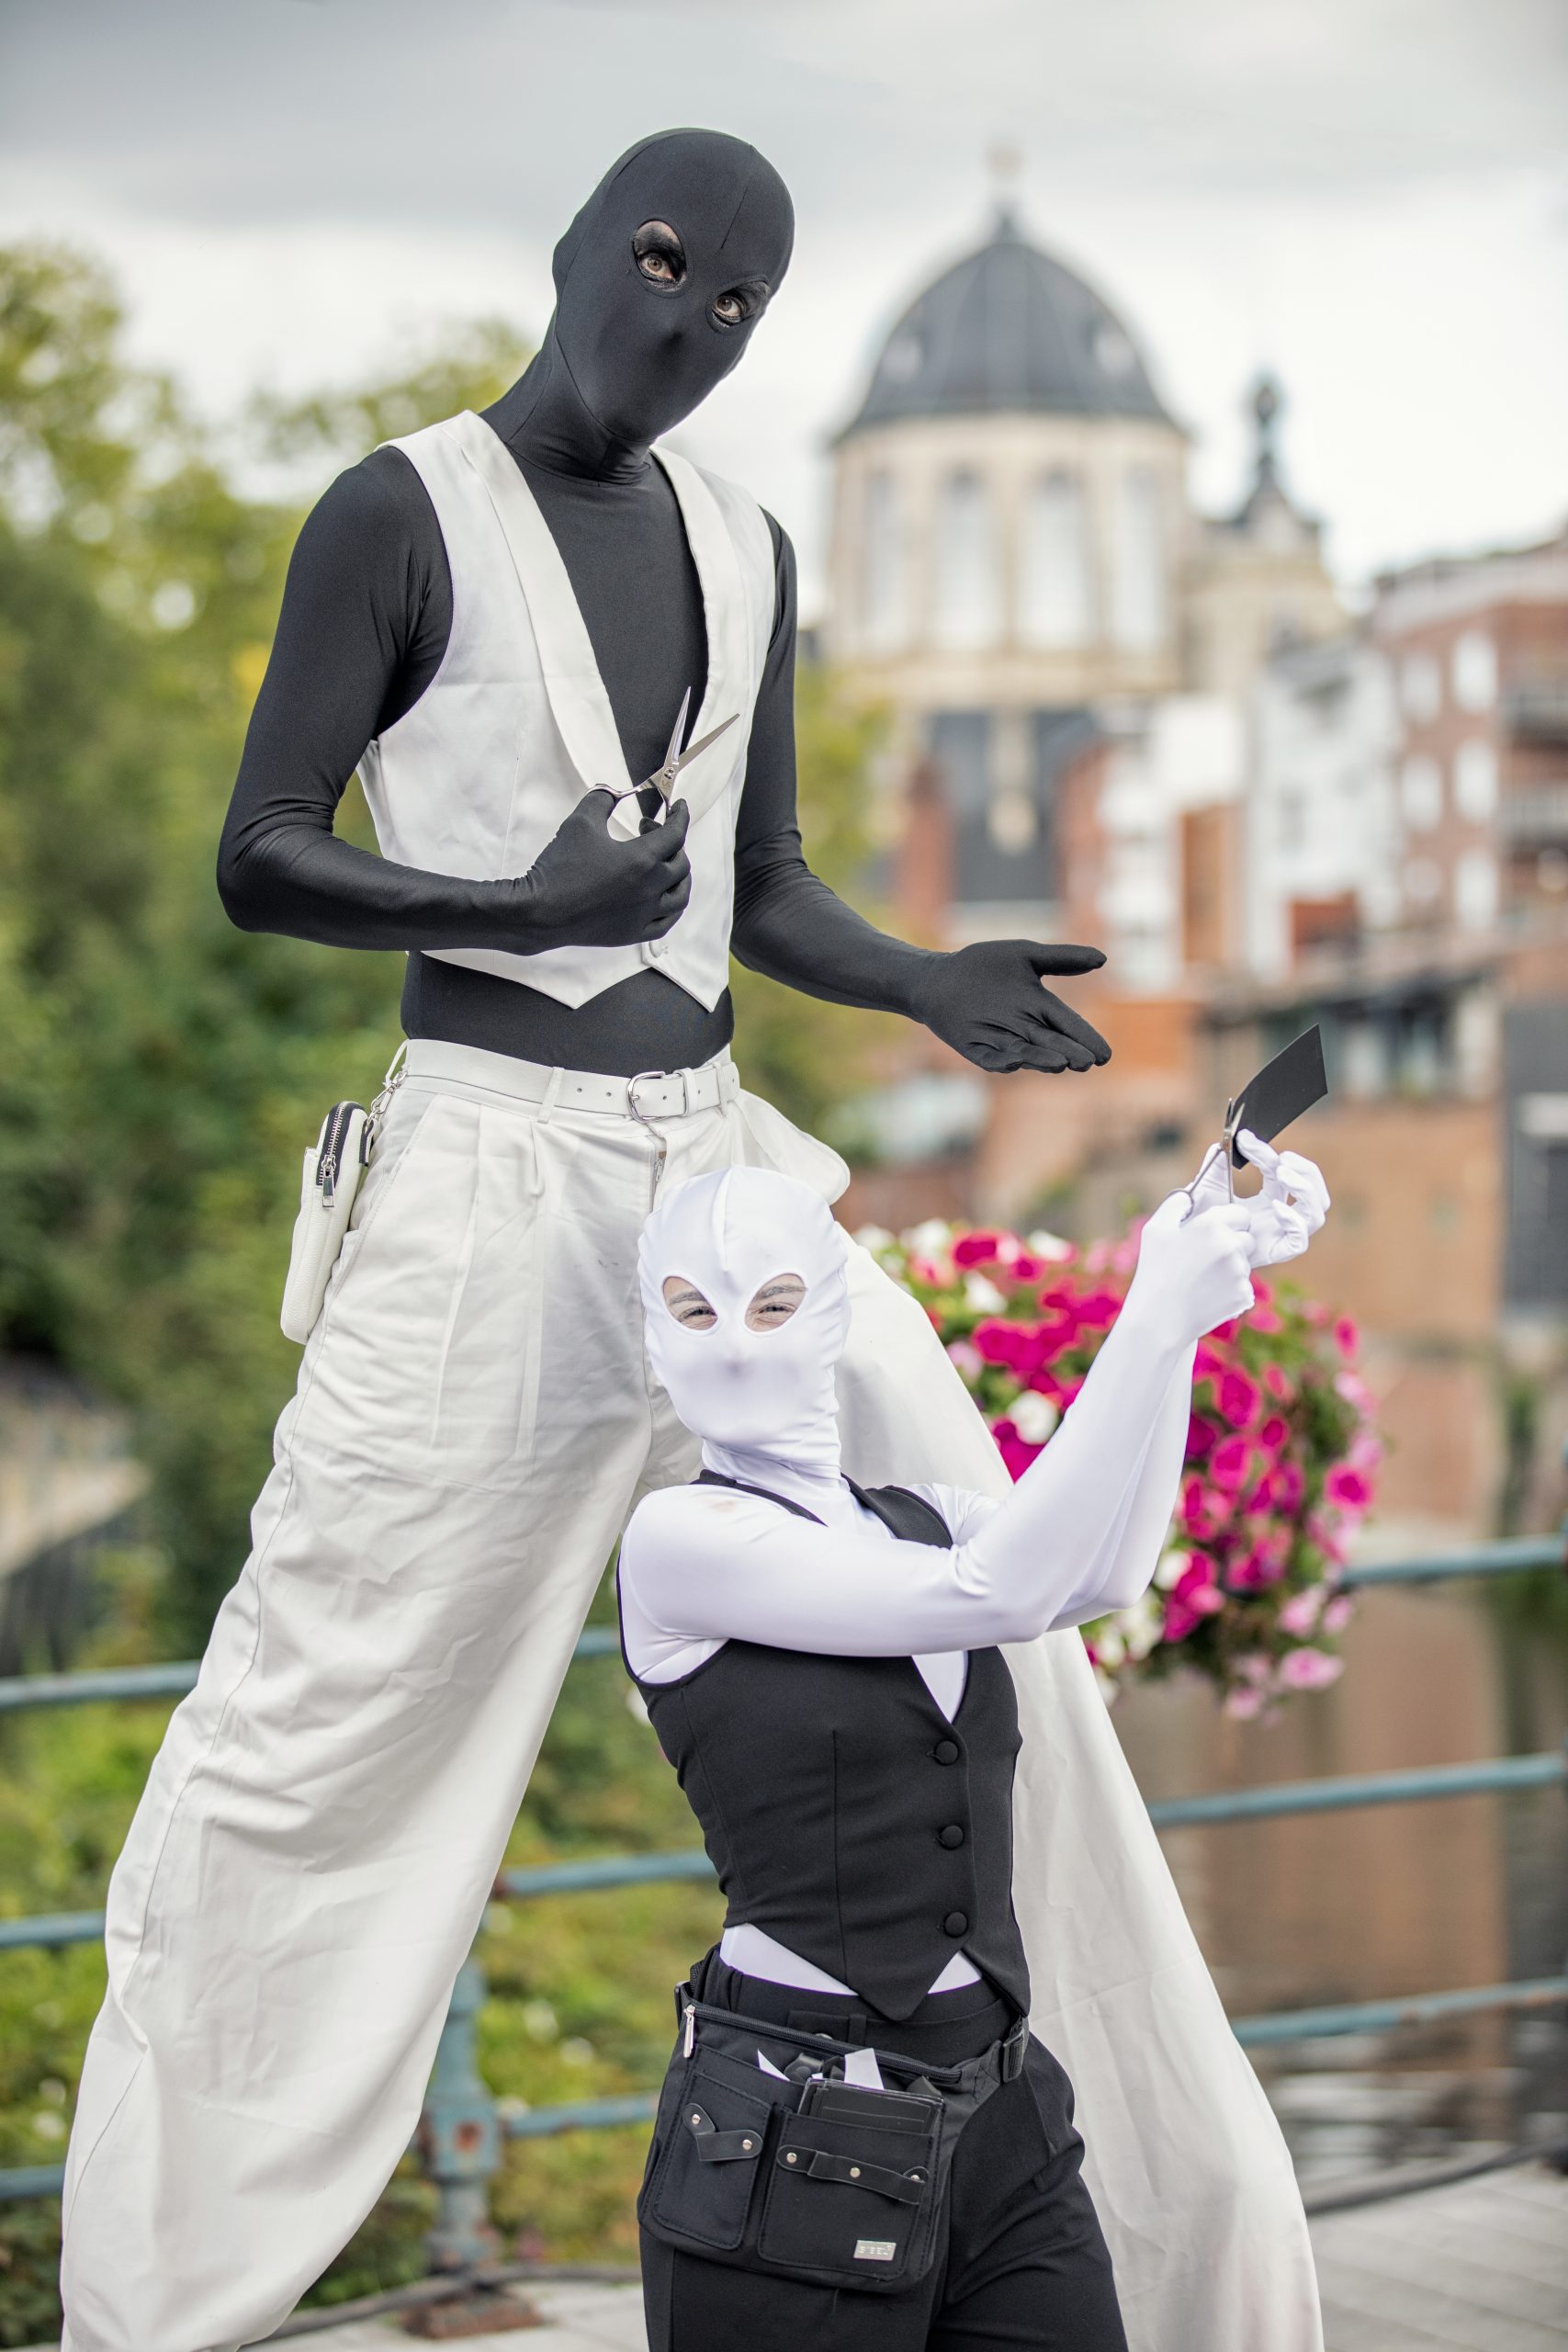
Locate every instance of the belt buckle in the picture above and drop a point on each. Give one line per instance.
(664, 1077)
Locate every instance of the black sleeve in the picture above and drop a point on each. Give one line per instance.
(367, 612)
(789, 925)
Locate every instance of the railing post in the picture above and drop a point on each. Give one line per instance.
(460, 2135)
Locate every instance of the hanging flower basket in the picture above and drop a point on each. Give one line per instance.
(1281, 1456)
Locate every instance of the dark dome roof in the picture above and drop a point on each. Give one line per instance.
(1008, 328)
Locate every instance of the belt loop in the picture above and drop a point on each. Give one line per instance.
(552, 1096)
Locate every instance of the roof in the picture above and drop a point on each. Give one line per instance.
(1009, 328)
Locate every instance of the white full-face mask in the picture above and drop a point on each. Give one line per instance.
(752, 1395)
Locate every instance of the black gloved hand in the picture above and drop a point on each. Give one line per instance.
(589, 888)
(987, 1002)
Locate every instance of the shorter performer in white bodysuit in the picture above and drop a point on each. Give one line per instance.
(822, 1666)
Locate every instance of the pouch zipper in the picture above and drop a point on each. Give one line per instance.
(329, 1158)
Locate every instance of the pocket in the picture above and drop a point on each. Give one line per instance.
(713, 2137)
(848, 2202)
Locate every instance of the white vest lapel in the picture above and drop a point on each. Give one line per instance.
(725, 616)
(579, 704)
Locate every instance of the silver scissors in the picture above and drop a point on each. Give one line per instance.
(662, 780)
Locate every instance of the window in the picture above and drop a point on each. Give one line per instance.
(1421, 793)
(883, 599)
(1475, 671)
(1475, 781)
(1421, 686)
(1475, 889)
(1054, 596)
(1137, 574)
(966, 605)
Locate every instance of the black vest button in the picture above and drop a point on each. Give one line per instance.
(946, 1751)
(951, 1836)
(955, 1924)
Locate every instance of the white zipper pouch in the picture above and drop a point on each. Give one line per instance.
(333, 1170)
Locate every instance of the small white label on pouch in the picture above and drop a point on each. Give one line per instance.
(768, 2066)
(875, 2249)
(861, 2067)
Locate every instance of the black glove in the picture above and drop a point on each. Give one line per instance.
(987, 1002)
(589, 888)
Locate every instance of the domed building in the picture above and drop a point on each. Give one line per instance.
(1013, 557)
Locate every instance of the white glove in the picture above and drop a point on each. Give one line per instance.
(1194, 1269)
(1291, 1206)
(1285, 1215)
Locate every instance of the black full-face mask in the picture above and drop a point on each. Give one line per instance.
(659, 283)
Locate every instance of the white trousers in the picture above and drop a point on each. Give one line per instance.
(313, 1852)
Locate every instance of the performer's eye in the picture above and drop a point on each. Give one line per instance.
(739, 303)
(774, 1302)
(659, 252)
(687, 1305)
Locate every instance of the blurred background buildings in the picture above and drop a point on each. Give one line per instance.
(1114, 717)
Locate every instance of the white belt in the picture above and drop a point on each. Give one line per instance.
(652, 1094)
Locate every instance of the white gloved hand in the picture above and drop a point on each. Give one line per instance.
(1291, 1206)
(1194, 1269)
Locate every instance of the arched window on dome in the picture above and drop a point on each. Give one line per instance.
(1137, 563)
(1054, 600)
(884, 605)
(965, 599)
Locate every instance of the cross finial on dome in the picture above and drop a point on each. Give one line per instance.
(1005, 164)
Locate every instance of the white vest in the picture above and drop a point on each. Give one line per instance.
(515, 725)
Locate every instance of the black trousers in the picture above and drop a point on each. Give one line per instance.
(1022, 2266)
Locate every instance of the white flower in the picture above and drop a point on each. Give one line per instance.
(984, 1297)
(1032, 1415)
(1049, 1246)
(1173, 1567)
(928, 1240)
(1109, 1647)
(1141, 1625)
(875, 1238)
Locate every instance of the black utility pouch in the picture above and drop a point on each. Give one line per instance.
(851, 2191)
(816, 2180)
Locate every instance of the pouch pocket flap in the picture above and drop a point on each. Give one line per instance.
(907, 2187)
(716, 2147)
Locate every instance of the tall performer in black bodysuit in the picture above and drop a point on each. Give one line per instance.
(496, 619)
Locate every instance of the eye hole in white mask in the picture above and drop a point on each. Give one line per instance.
(687, 1305)
(774, 1302)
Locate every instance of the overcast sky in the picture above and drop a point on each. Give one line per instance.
(1369, 196)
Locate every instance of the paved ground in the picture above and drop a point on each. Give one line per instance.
(1479, 2268)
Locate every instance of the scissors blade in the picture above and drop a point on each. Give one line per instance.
(703, 741)
(671, 757)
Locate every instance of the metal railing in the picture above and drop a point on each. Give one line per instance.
(463, 2125)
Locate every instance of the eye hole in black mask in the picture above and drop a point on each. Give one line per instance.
(739, 303)
(660, 255)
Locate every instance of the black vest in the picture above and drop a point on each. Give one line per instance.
(844, 1814)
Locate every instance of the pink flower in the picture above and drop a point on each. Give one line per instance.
(1348, 1489)
(1286, 1486)
(1204, 1510)
(1208, 1363)
(1347, 1338)
(965, 1358)
(1274, 1433)
(926, 1271)
(1278, 1384)
(1240, 1401)
(1245, 1704)
(1012, 1449)
(1267, 1319)
(1354, 1389)
(1254, 1666)
(1001, 1343)
(977, 1249)
(1264, 1565)
(1190, 1599)
(1202, 1435)
(1230, 1464)
(1339, 1613)
(1300, 1613)
(1310, 1669)
(1025, 1269)
(1098, 1309)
